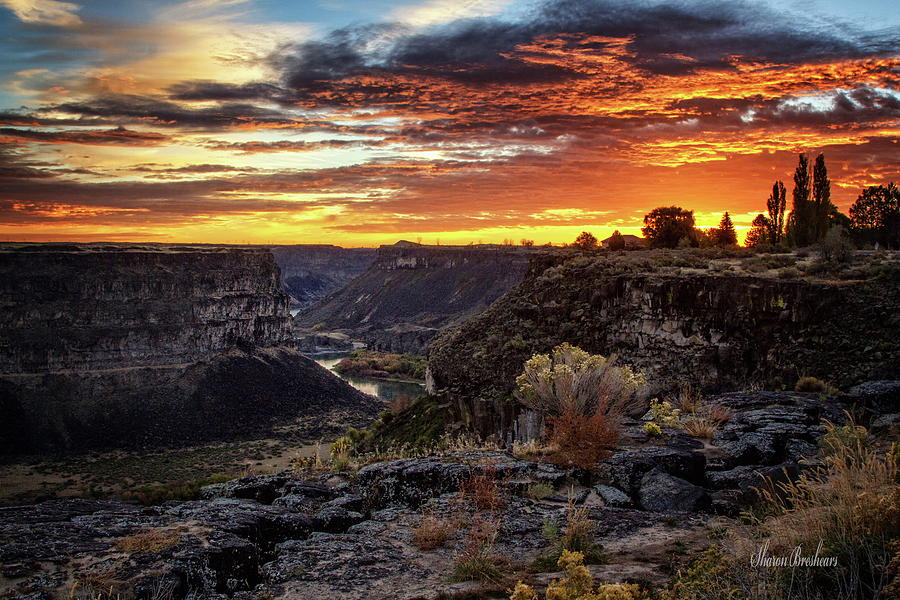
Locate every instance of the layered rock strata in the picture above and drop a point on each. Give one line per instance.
(112, 345)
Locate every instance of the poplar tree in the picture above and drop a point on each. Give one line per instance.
(798, 225)
(822, 207)
(776, 205)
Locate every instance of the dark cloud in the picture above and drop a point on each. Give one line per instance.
(166, 113)
(110, 137)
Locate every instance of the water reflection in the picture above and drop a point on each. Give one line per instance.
(386, 390)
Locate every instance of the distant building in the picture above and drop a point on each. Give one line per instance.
(631, 241)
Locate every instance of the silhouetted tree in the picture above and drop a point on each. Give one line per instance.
(585, 241)
(776, 204)
(725, 235)
(760, 231)
(798, 225)
(616, 241)
(665, 226)
(875, 216)
(526, 242)
(821, 203)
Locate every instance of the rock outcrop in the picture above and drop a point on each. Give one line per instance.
(412, 292)
(312, 272)
(116, 345)
(322, 535)
(716, 331)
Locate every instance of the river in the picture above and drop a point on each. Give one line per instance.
(387, 390)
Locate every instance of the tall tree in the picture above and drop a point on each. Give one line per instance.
(759, 231)
(665, 226)
(726, 234)
(798, 225)
(821, 204)
(776, 204)
(875, 216)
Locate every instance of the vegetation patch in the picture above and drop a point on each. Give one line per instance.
(152, 541)
(369, 363)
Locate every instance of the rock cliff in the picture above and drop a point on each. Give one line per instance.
(312, 272)
(111, 345)
(716, 330)
(411, 292)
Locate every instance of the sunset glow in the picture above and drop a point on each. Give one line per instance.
(236, 121)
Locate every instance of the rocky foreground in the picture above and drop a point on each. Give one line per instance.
(326, 534)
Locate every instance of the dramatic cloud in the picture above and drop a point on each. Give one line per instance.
(448, 119)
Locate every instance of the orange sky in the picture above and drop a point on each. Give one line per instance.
(199, 124)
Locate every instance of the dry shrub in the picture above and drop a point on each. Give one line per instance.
(433, 532)
(482, 490)
(149, 541)
(478, 561)
(719, 414)
(583, 441)
(699, 426)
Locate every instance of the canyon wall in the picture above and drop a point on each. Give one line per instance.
(312, 272)
(117, 345)
(717, 331)
(411, 292)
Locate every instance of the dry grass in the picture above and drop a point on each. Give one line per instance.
(482, 490)
(846, 511)
(433, 532)
(149, 541)
(583, 441)
(478, 561)
(699, 426)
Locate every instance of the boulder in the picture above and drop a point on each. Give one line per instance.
(613, 497)
(662, 492)
(626, 468)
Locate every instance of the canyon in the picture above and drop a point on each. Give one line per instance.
(117, 345)
(312, 272)
(412, 292)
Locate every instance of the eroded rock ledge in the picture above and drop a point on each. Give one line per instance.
(349, 535)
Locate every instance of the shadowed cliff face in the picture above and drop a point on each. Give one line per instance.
(716, 331)
(115, 346)
(411, 292)
(311, 273)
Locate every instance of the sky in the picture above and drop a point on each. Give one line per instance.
(361, 123)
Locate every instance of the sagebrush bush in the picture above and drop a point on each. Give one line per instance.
(570, 380)
(652, 429)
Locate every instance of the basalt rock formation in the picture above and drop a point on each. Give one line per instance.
(717, 331)
(412, 292)
(324, 535)
(312, 272)
(114, 345)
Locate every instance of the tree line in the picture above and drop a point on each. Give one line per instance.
(874, 218)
